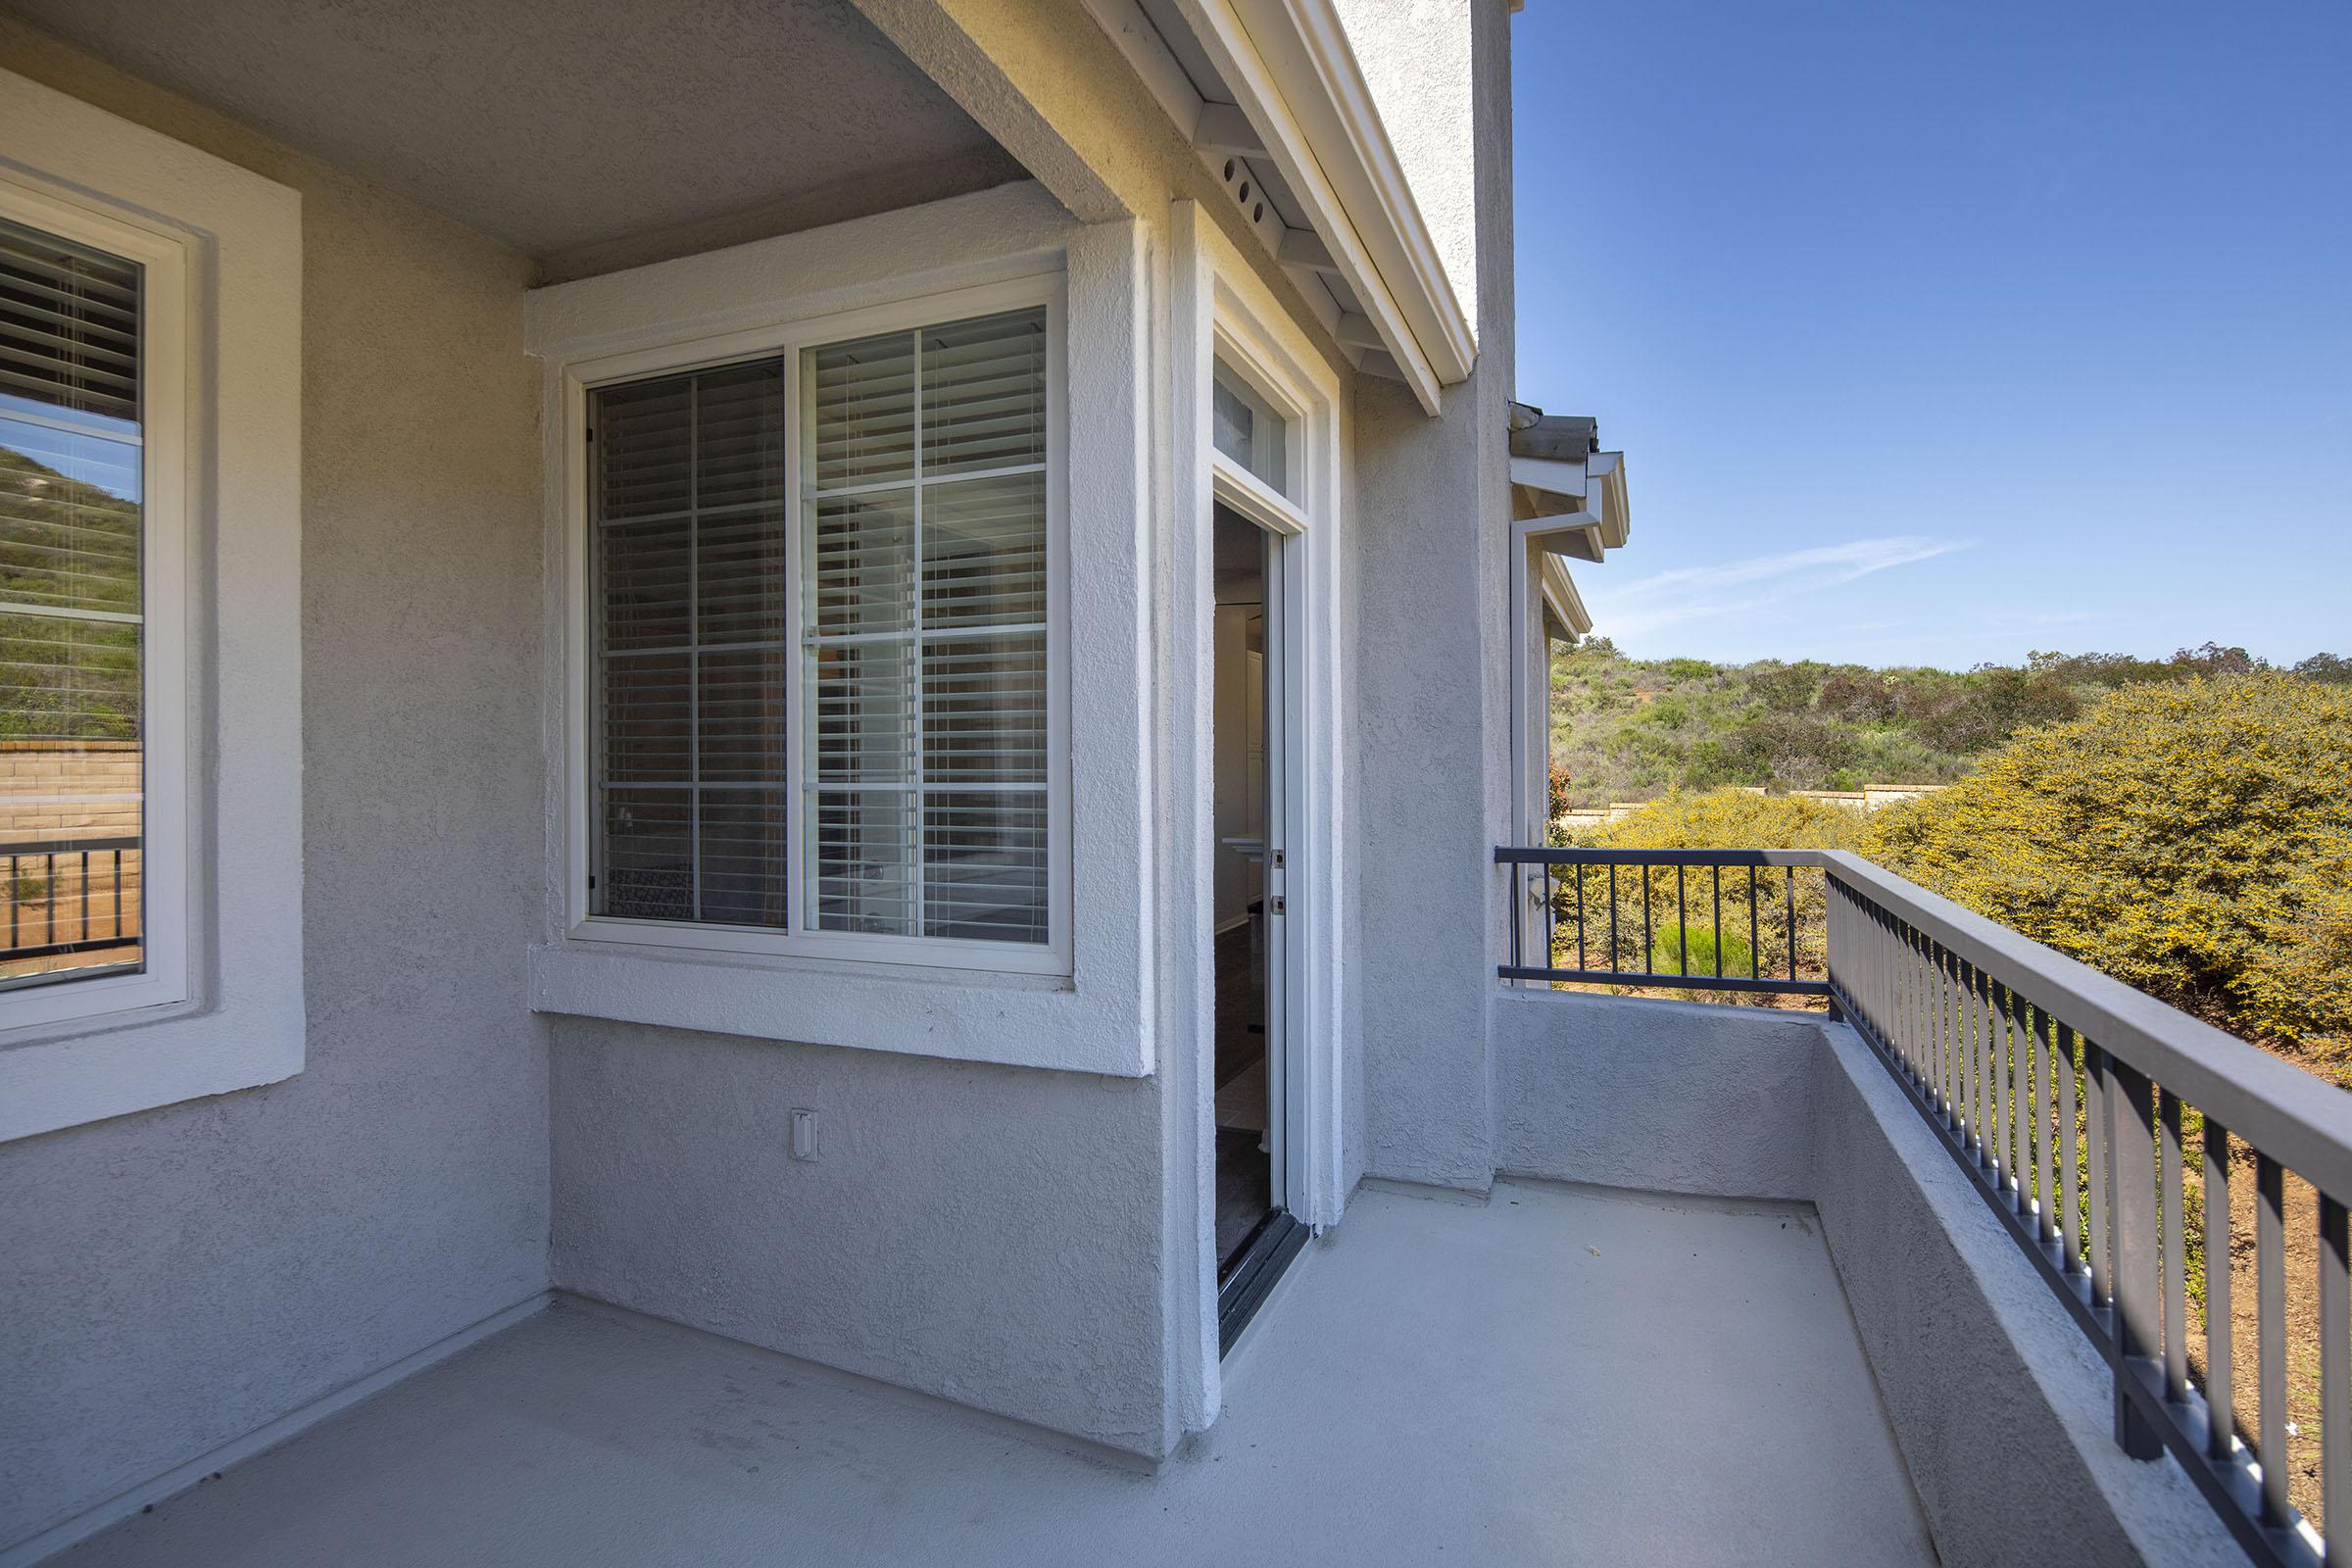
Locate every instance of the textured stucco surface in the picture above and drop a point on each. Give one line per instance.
(1417, 60)
(176, 1278)
(1554, 1378)
(1986, 1379)
(1433, 736)
(1666, 1096)
(988, 1233)
(579, 134)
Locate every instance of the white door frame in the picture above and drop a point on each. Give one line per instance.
(1222, 309)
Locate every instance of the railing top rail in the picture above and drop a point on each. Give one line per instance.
(68, 846)
(2295, 1119)
(1548, 856)
(2299, 1120)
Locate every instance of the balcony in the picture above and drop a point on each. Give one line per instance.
(1551, 1374)
(1754, 1284)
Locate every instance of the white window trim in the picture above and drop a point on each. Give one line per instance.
(219, 1004)
(1100, 1017)
(788, 341)
(164, 344)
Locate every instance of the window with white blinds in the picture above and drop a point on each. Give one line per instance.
(822, 696)
(72, 480)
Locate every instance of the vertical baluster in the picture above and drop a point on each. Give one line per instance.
(1682, 918)
(117, 893)
(1964, 1017)
(2218, 1397)
(49, 878)
(1755, 953)
(2176, 1258)
(1788, 874)
(1947, 1026)
(2102, 1261)
(1580, 914)
(2069, 1144)
(2335, 1368)
(82, 895)
(2021, 1100)
(1616, 960)
(2132, 1223)
(13, 879)
(1518, 894)
(1649, 942)
(2045, 1087)
(1996, 1069)
(2270, 1311)
(1717, 869)
(1551, 923)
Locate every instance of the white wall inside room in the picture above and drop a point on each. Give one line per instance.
(1239, 719)
(180, 1277)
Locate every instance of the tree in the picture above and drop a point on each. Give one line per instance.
(2334, 668)
(2192, 839)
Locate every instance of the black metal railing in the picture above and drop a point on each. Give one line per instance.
(2079, 1105)
(68, 897)
(2117, 1138)
(1729, 920)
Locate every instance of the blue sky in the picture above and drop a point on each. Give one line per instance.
(1937, 332)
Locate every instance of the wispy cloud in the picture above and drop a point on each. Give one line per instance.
(1746, 587)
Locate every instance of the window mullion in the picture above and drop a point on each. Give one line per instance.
(694, 645)
(914, 623)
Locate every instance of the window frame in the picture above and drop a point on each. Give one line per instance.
(239, 1019)
(164, 978)
(790, 340)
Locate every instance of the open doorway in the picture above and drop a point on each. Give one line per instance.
(1256, 1235)
(1246, 1125)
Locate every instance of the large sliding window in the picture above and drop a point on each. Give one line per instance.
(72, 489)
(824, 613)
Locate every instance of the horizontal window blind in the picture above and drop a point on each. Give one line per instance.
(688, 515)
(72, 613)
(924, 558)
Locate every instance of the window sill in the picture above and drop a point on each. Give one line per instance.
(1019, 1021)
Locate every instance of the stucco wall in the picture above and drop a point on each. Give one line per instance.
(177, 1278)
(1986, 1379)
(1418, 59)
(1433, 736)
(1669, 1097)
(982, 1233)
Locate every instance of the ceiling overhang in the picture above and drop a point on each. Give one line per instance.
(1274, 84)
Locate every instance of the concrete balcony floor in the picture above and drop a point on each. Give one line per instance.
(1552, 1376)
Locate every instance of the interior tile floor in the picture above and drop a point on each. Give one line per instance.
(1550, 1376)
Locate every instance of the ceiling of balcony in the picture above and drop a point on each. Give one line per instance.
(587, 134)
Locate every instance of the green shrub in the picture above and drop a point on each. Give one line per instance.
(2192, 839)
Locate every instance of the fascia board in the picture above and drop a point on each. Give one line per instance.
(1562, 598)
(1287, 63)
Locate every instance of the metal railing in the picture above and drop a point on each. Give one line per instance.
(68, 897)
(2077, 1105)
(1654, 919)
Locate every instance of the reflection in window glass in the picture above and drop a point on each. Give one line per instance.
(72, 767)
(1247, 428)
(925, 804)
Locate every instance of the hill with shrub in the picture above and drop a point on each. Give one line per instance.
(1631, 729)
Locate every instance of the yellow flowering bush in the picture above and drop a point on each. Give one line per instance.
(1715, 819)
(2192, 839)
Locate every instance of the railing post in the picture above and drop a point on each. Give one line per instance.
(2128, 1102)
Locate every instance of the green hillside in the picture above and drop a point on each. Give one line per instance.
(1628, 729)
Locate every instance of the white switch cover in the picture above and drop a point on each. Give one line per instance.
(804, 1135)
